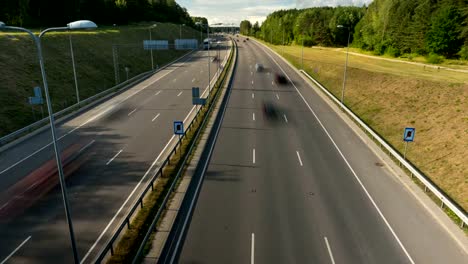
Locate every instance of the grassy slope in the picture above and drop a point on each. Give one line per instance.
(391, 95)
(20, 72)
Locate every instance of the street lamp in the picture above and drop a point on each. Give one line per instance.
(74, 70)
(302, 56)
(180, 31)
(151, 48)
(346, 64)
(81, 24)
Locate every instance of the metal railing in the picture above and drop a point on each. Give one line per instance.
(109, 247)
(84, 104)
(428, 184)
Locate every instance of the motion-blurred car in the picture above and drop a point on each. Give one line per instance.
(270, 111)
(247, 38)
(280, 79)
(31, 188)
(244, 40)
(258, 67)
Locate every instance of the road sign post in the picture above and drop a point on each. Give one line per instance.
(36, 100)
(179, 130)
(408, 136)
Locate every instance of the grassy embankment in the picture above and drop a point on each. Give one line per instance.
(390, 96)
(20, 72)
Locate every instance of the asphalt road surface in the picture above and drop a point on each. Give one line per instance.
(124, 138)
(294, 184)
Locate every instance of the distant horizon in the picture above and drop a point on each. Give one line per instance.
(237, 10)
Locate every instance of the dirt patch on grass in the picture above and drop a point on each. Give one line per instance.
(390, 96)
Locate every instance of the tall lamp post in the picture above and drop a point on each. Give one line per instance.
(151, 48)
(180, 31)
(346, 64)
(81, 24)
(74, 70)
(302, 55)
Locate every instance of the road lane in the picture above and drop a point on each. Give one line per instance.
(98, 191)
(304, 202)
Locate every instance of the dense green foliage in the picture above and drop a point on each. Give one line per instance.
(42, 13)
(392, 27)
(314, 26)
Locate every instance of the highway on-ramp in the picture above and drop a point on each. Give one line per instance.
(290, 182)
(123, 140)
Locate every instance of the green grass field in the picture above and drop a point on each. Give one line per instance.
(20, 72)
(390, 96)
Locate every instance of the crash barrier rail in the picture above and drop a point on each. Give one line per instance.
(88, 102)
(109, 247)
(428, 184)
(174, 241)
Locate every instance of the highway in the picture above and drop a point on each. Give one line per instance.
(299, 186)
(123, 141)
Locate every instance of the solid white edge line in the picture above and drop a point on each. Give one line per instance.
(253, 156)
(252, 250)
(129, 114)
(155, 117)
(14, 251)
(347, 163)
(329, 251)
(93, 118)
(124, 203)
(136, 186)
(115, 156)
(299, 158)
(285, 118)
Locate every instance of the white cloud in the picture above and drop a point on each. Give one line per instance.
(234, 11)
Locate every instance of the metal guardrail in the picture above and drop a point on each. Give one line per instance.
(428, 184)
(139, 202)
(125, 84)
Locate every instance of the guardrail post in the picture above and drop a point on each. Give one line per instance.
(141, 203)
(152, 186)
(425, 188)
(441, 203)
(112, 249)
(128, 222)
(462, 224)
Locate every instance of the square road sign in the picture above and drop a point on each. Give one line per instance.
(178, 127)
(408, 136)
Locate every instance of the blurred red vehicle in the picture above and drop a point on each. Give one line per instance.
(24, 193)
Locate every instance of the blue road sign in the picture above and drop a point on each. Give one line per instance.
(408, 136)
(37, 92)
(35, 100)
(178, 127)
(195, 92)
(198, 101)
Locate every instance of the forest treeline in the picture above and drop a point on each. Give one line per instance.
(394, 27)
(43, 13)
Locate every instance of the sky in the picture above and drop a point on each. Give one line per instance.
(234, 11)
